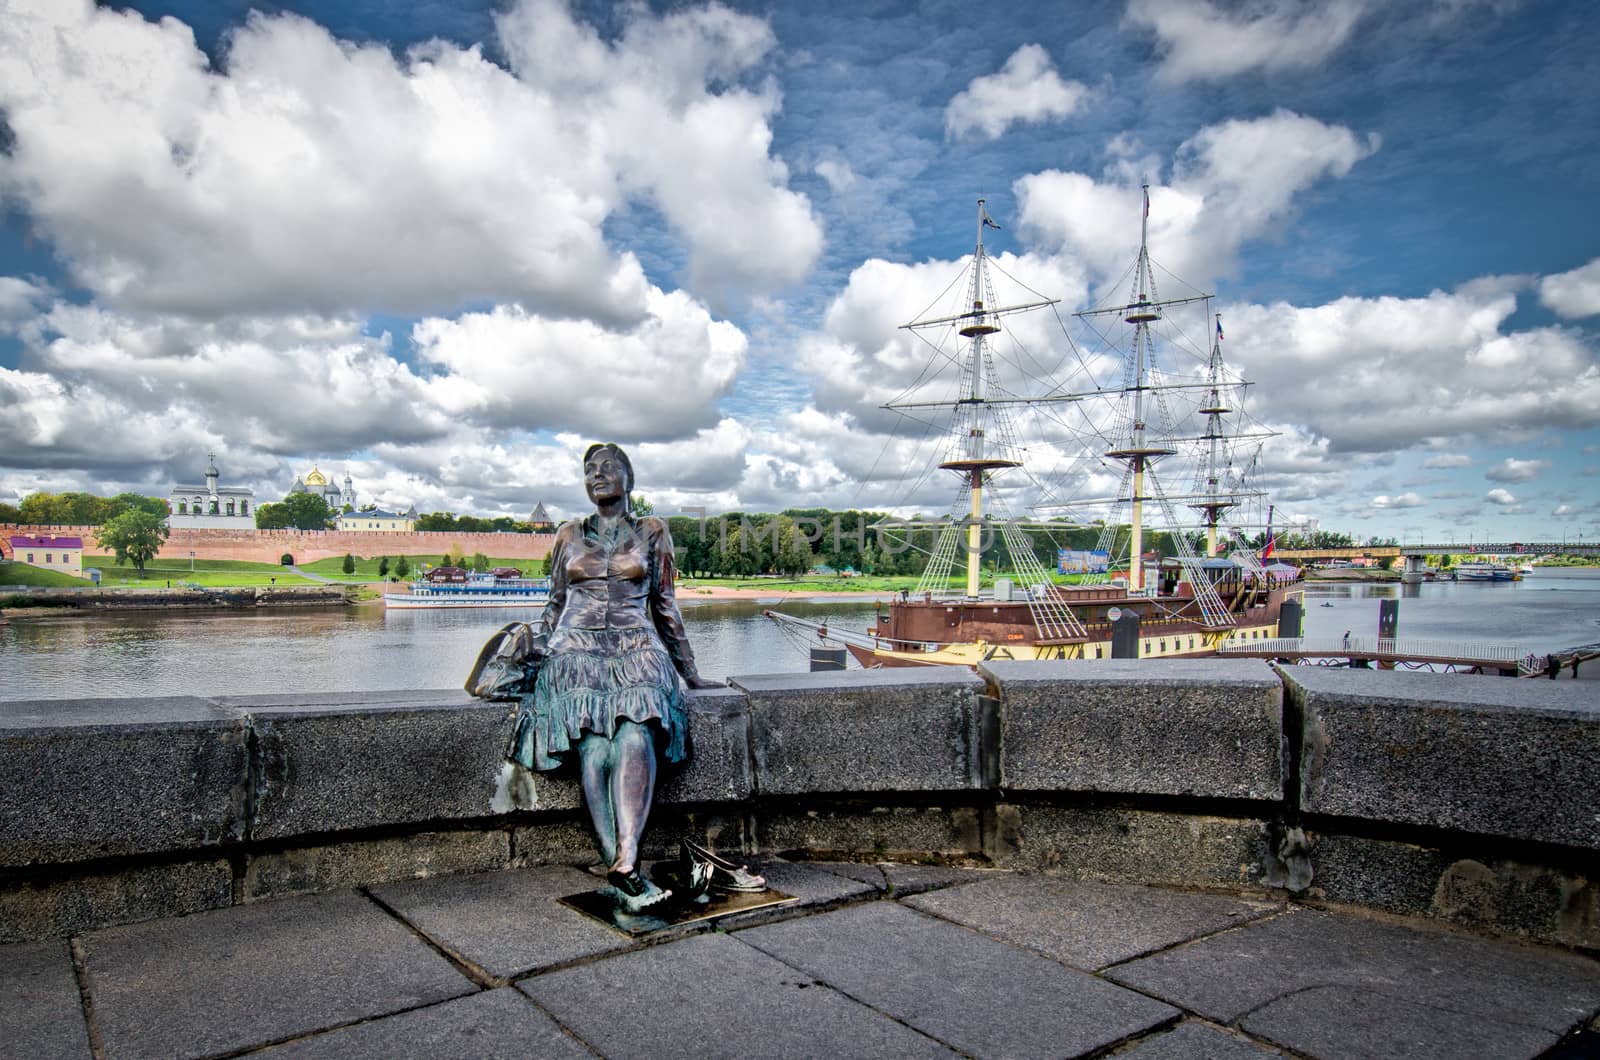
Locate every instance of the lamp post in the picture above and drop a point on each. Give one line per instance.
(191, 561)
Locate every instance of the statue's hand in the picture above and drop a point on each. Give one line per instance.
(696, 681)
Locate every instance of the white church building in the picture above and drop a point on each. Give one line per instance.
(212, 506)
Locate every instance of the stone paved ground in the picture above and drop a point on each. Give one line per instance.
(893, 961)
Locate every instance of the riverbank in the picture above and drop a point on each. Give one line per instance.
(1351, 574)
(40, 602)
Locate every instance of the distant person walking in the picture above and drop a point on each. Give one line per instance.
(1347, 640)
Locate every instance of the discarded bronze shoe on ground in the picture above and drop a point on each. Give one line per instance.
(724, 874)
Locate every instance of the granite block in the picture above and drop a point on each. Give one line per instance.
(718, 769)
(493, 1025)
(1191, 1040)
(814, 886)
(257, 974)
(326, 764)
(1087, 925)
(979, 996)
(1344, 1020)
(1543, 902)
(66, 905)
(1403, 968)
(712, 995)
(1209, 728)
(565, 840)
(91, 778)
(505, 923)
(864, 731)
(876, 831)
(309, 870)
(41, 1014)
(1517, 759)
(899, 880)
(1119, 845)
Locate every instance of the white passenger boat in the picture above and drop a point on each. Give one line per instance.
(476, 590)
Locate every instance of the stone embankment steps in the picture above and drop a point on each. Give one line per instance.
(1465, 800)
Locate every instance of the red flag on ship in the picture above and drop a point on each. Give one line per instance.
(1272, 542)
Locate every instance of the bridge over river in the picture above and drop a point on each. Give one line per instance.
(1450, 548)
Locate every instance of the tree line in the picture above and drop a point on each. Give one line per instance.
(794, 541)
(77, 509)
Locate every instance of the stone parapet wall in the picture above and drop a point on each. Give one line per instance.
(308, 546)
(1463, 798)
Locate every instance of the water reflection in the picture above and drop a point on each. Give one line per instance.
(223, 653)
(366, 648)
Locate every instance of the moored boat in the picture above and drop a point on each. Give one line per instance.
(1485, 571)
(473, 590)
(1185, 605)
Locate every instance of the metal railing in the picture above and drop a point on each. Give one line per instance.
(1381, 647)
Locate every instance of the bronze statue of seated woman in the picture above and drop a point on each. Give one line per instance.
(613, 666)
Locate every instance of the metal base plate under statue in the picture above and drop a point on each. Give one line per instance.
(602, 905)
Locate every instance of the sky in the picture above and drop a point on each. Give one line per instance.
(442, 246)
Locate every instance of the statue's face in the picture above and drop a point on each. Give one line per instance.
(605, 477)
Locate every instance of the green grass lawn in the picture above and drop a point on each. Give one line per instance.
(23, 574)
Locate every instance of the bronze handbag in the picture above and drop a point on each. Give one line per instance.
(508, 665)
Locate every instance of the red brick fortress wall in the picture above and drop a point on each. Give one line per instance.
(307, 546)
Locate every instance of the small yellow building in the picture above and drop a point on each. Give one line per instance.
(64, 554)
(378, 520)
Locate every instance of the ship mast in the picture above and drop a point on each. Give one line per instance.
(1214, 503)
(1139, 454)
(973, 464)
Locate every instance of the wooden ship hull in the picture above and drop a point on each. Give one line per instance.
(963, 632)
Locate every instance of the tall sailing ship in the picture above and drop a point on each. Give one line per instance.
(1184, 606)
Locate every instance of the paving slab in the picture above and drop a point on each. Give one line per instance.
(813, 885)
(494, 1025)
(256, 974)
(1348, 1021)
(505, 923)
(1486, 984)
(1192, 1040)
(1088, 925)
(899, 880)
(714, 996)
(40, 1011)
(975, 994)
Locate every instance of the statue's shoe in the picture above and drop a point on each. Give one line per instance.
(725, 875)
(635, 892)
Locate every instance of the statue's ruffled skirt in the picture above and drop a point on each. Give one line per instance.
(592, 679)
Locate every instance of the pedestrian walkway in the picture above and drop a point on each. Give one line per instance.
(889, 960)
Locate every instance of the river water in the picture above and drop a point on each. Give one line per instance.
(368, 648)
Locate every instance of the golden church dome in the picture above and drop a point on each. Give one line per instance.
(316, 478)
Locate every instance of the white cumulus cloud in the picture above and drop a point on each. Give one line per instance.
(659, 379)
(1448, 460)
(1403, 500)
(1513, 470)
(1573, 294)
(309, 174)
(1231, 182)
(1500, 497)
(1381, 375)
(1198, 40)
(1027, 90)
